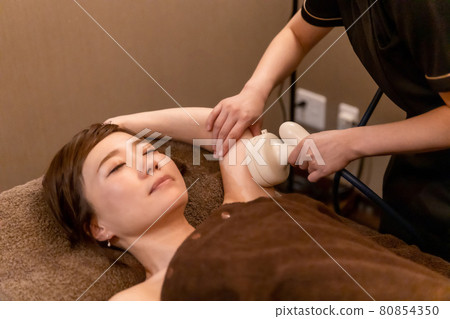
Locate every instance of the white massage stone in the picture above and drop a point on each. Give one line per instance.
(274, 172)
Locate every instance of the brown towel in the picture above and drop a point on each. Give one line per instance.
(255, 251)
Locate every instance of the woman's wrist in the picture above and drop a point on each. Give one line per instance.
(127, 121)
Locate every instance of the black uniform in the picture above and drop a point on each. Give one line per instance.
(405, 46)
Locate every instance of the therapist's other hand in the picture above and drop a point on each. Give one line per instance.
(232, 116)
(333, 153)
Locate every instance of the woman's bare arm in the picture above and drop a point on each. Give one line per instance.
(182, 124)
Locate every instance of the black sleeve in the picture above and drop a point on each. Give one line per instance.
(322, 13)
(425, 27)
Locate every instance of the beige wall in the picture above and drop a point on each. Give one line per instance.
(59, 71)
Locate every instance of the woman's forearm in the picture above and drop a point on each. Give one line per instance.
(423, 133)
(182, 124)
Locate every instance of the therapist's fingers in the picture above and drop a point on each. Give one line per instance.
(226, 128)
(235, 133)
(315, 176)
(306, 166)
(308, 163)
(224, 135)
(213, 116)
(217, 127)
(218, 123)
(311, 168)
(292, 159)
(255, 129)
(316, 172)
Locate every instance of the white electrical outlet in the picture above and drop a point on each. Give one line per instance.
(348, 116)
(310, 109)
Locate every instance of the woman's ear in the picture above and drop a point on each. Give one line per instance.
(99, 232)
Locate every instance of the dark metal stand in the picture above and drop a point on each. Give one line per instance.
(290, 185)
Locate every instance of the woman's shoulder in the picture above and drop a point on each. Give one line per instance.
(148, 290)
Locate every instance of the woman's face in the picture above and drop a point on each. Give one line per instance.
(125, 200)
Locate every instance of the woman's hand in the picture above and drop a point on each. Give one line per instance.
(118, 120)
(130, 122)
(325, 153)
(232, 116)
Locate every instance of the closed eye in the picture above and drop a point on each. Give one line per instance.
(115, 169)
(149, 150)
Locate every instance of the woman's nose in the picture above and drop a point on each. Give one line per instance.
(152, 168)
(153, 162)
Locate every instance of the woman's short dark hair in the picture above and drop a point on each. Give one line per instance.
(63, 182)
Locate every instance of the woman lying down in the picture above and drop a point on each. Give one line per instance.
(256, 246)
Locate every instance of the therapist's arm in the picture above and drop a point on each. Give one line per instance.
(422, 133)
(233, 115)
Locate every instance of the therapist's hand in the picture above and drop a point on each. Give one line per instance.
(232, 116)
(333, 147)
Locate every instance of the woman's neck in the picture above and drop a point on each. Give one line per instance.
(155, 249)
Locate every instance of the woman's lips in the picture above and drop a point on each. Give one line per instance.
(159, 183)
